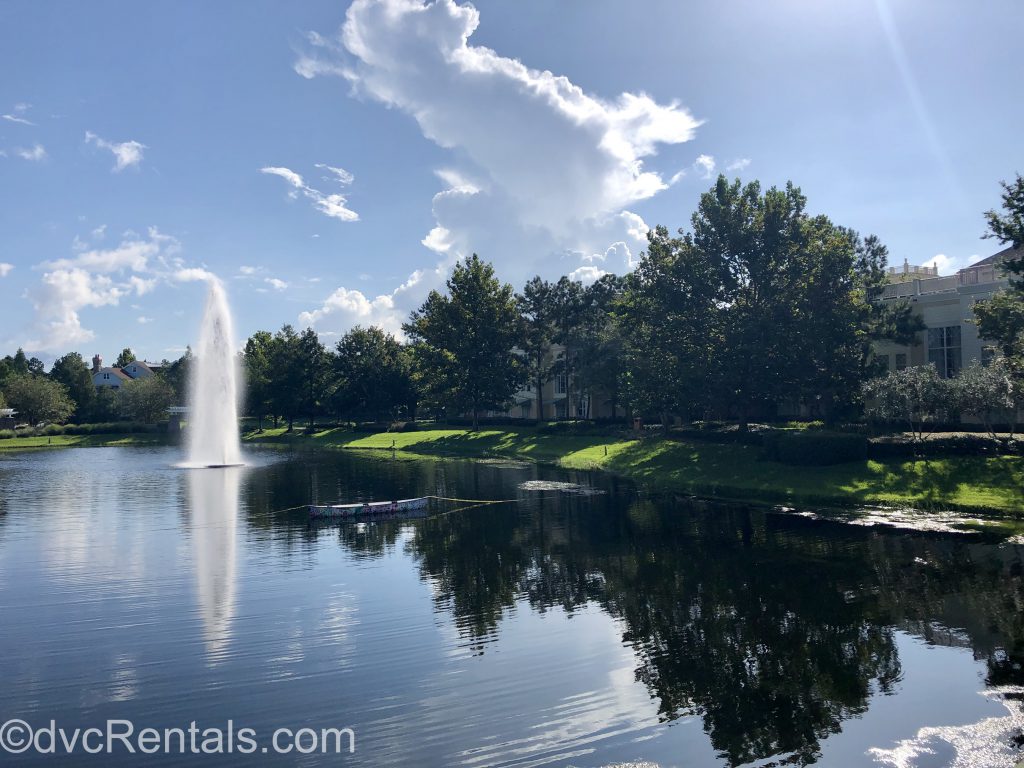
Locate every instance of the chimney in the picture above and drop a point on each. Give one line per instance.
(97, 363)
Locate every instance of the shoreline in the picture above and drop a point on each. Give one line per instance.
(990, 486)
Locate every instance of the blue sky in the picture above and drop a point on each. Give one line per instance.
(329, 161)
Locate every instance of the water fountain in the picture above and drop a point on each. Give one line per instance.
(213, 396)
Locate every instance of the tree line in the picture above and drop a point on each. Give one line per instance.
(757, 305)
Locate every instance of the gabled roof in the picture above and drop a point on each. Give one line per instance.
(116, 371)
(1007, 254)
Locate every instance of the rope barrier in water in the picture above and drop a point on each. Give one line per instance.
(472, 501)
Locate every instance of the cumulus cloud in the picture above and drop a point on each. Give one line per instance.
(96, 278)
(739, 164)
(143, 320)
(127, 154)
(333, 205)
(36, 153)
(5, 268)
(542, 173)
(705, 165)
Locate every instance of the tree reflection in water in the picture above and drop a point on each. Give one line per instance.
(773, 629)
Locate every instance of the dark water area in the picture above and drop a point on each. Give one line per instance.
(584, 624)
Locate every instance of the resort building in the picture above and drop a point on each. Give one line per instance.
(950, 340)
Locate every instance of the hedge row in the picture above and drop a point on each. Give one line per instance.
(110, 428)
(813, 447)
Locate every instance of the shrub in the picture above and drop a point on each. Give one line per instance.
(814, 447)
(6, 434)
(52, 429)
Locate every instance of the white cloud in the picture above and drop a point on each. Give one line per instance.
(739, 164)
(587, 274)
(16, 119)
(352, 307)
(705, 164)
(332, 205)
(143, 320)
(96, 278)
(37, 153)
(127, 154)
(5, 268)
(62, 293)
(340, 174)
(134, 253)
(948, 265)
(248, 271)
(276, 284)
(193, 275)
(542, 173)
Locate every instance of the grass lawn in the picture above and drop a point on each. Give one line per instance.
(81, 441)
(969, 483)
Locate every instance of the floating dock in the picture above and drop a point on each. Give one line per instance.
(369, 508)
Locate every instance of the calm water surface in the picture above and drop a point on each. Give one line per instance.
(575, 628)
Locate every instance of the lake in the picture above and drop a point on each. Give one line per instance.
(581, 624)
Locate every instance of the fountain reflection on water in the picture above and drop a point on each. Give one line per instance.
(213, 507)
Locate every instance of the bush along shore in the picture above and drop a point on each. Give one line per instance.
(966, 473)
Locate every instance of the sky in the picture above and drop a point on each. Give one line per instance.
(330, 161)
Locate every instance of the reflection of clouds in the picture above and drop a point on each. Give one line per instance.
(213, 506)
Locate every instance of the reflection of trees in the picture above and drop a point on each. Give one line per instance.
(773, 629)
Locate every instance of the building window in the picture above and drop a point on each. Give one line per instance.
(106, 375)
(561, 384)
(944, 350)
(901, 360)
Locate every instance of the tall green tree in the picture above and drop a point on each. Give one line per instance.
(669, 316)
(373, 374)
(536, 307)
(126, 357)
(287, 385)
(73, 373)
(38, 399)
(256, 364)
(465, 340)
(314, 368)
(600, 345)
(568, 298)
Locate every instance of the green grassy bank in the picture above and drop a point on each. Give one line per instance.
(82, 441)
(992, 484)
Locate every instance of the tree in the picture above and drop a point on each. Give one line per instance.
(669, 316)
(536, 307)
(464, 341)
(37, 399)
(177, 375)
(314, 367)
(125, 358)
(916, 395)
(568, 298)
(1008, 226)
(286, 382)
(256, 364)
(988, 393)
(73, 373)
(599, 344)
(1001, 318)
(373, 373)
(147, 399)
